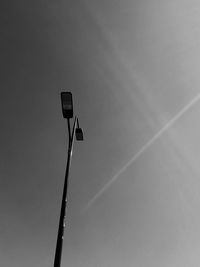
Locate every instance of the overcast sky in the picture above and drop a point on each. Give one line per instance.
(134, 190)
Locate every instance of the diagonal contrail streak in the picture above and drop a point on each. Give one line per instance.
(143, 149)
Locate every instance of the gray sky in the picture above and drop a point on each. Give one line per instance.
(134, 189)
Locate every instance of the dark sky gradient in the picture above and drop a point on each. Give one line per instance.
(131, 67)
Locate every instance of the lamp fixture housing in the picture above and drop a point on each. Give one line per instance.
(79, 134)
(67, 105)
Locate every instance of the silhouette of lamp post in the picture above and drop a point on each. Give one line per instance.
(67, 110)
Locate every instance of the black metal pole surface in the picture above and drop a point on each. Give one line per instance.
(60, 237)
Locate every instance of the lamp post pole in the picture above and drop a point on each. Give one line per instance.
(67, 109)
(60, 237)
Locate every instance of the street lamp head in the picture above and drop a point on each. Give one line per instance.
(67, 105)
(79, 134)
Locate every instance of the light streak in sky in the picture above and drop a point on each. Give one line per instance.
(142, 150)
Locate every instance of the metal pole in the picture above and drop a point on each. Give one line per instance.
(60, 237)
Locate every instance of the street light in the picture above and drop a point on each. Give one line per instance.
(79, 132)
(67, 105)
(67, 110)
